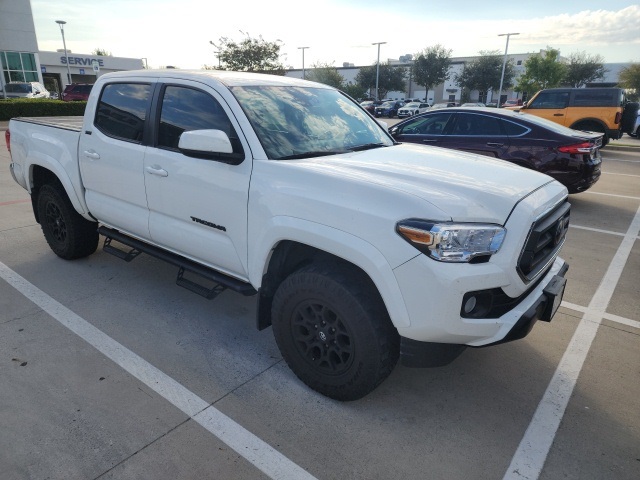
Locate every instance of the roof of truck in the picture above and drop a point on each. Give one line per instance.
(225, 77)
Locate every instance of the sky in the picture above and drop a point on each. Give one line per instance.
(178, 33)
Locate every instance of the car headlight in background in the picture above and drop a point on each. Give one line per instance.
(453, 242)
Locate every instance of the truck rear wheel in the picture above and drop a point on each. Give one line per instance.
(593, 127)
(68, 234)
(334, 332)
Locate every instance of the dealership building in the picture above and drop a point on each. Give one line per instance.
(21, 60)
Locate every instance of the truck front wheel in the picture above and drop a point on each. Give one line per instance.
(68, 234)
(333, 330)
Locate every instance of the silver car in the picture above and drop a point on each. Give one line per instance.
(412, 108)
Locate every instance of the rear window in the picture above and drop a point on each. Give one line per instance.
(597, 98)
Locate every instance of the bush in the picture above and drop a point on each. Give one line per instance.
(39, 107)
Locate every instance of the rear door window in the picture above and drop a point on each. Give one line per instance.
(123, 109)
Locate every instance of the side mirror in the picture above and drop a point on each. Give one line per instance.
(205, 141)
(210, 145)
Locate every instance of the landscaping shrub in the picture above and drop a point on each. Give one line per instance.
(39, 107)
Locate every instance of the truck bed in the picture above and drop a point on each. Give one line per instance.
(67, 123)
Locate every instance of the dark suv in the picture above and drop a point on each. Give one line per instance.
(388, 109)
(76, 92)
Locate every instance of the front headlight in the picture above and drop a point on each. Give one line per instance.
(452, 242)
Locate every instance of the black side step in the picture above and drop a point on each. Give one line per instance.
(126, 256)
(137, 246)
(207, 292)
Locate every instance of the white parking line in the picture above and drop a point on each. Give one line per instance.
(598, 230)
(589, 192)
(529, 459)
(620, 174)
(246, 444)
(607, 316)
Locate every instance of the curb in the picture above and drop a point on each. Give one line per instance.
(623, 148)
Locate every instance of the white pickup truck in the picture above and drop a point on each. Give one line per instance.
(358, 249)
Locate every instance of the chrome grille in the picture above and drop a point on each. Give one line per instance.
(545, 239)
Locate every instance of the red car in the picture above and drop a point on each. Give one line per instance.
(77, 92)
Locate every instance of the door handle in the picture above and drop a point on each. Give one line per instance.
(155, 170)
(91, 154)
(558, 114)
(429, 140)
(493, 144)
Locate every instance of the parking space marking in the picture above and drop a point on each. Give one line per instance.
(13, 202)
(529, 459)
(598, 230)
(253, 449)
(611, 195)
(620, 160)
(607, 316)
(620, 174)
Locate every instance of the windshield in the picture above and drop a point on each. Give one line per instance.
(18, 88)
(300, 122)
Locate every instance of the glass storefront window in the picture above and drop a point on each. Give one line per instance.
(28, 62)
(17, 76)
(19, 67)
(13, 59)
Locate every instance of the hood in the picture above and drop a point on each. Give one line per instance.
(464, 187)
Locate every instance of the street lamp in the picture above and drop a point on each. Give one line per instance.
(303, 49)
(64, 43)
(504, 63)
(378, 66)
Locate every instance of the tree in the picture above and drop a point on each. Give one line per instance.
(390, 78)
(543, 70)
(484, 73)
(249, 55)
(354, 90)
(431, 67)
(630, 79)
(101, 52)
(583, 69)
(327, 74)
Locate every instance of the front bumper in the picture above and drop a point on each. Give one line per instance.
(542, 305)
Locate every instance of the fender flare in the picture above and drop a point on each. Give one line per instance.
(63, 177)
(336, 242)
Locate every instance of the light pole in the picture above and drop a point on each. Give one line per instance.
(64, 44)
(504, 63)
(303, 49)
(378, 66)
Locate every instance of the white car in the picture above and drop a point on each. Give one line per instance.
(636, 127)
(25, 90)
(413, 108)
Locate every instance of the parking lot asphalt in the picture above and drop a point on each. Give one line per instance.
(110, 371)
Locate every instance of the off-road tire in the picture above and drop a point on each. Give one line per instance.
(69, 235)
(333, 330)
(593, 127)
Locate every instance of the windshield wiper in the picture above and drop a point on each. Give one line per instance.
(367, 146)
(320, 153)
